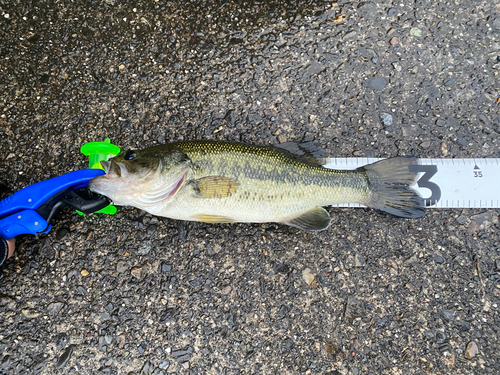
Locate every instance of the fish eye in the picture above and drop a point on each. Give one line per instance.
(129, 155)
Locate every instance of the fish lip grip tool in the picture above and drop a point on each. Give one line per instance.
(30, 210)
(99, 151)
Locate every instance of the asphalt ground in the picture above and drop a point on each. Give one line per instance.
(136, 294)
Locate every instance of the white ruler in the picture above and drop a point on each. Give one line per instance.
(446, 183)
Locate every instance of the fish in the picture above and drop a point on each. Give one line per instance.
(229, 182)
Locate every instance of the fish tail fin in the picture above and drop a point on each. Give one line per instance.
(390, 189)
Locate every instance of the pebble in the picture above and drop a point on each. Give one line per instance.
(444, 149)
(308, 276)
(332, 348)
(30, 314)
(359, 261)
(104, 316)
(355, 308)
(439, 259)
(136, 272)
(350, 35)
(39, 363)
(369, 54)
(479, 221)
(5, 361)
(152, 229)
(386, 118)
(394, 41)
(397, 66)
(6, 301)
(448, 315)
(481, 218)
(65, 357)
(144, 249)
(429, 334)
(450, 82)
(440, 122)
(84, 272)
(226, 290)
(462, 326)
(368, 9)
(339, 18)
(472, 350)
(142, 348)
(445, 348)
(392, 12)
(415, 31)
(108, 338)
(61, 233)
(496, 23)
(54, 307)
(164, 364)
(425, 144)
(376, 83)
(165, 267)
(413, 259)
(283, 268)
(147, 369)
(440, 337)
(182, 355)
(195, 283)
(121, 266)
(464, 141)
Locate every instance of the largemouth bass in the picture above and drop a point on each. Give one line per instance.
(223, 182)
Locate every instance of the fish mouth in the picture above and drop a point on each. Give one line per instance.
(113, 169)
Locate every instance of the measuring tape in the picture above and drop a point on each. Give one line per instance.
(445, 183)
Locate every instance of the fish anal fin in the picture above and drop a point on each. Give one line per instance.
(215, 187)
(205, 218)
(315, 219)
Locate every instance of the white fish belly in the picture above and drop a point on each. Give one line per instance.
(254, 201)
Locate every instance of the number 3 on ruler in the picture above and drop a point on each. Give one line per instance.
(423, 182)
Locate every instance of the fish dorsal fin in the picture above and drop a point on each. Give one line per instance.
(315, 219)
(306, 152)
(214, 186)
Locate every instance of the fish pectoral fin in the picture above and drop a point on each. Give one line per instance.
(213, 218)
(315, 219)
(214, 186)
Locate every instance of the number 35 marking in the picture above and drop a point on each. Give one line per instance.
(478, 174)
(423, 182)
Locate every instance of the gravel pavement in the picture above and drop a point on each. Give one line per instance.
(137, 294)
